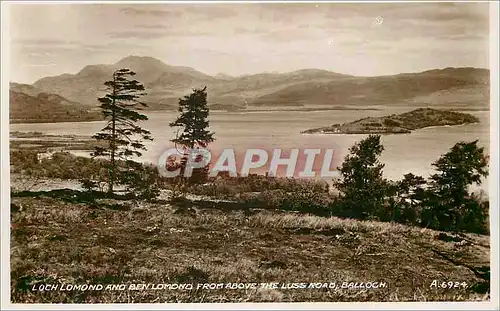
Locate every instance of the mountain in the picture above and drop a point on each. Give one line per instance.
(165, 83)
(88, 84)
(44, 107)
(271, 82)
(438, 88)
(392, 90)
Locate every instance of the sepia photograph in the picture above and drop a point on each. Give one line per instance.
(220, 154)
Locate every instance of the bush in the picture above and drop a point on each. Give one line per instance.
(230, 187)
(140, 180)
(475, 217)
(305, 200)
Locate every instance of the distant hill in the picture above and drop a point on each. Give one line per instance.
(45, 107)
(464, 88)
(25, 88)
(384, 90)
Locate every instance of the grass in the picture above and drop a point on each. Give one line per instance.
(57, 241)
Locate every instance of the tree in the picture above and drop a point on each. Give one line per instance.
(448, 201)
(193, 121)
(405, 197)
(362, 187)
(120, 108)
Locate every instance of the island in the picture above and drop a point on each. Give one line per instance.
(398, 124)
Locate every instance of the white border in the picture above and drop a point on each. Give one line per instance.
(494, 149)
(493, 192)
(4, 159)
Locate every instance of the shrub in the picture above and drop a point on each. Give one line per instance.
(305, 200)
(230, 187)
(140, 180)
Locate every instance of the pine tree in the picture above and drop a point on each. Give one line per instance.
(362, 187)
(120, 108)
(448, 198)
(193, 121)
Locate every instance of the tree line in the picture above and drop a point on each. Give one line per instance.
(443, 201)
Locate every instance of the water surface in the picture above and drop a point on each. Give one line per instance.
(403, 153)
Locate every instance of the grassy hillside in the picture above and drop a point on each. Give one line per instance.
(45, 107)
(472, 97)
(25, 88)
(56, 240)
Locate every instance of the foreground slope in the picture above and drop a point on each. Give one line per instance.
(118, 242)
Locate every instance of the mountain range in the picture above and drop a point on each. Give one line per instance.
(451, 88)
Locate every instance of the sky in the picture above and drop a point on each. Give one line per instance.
(365, 39)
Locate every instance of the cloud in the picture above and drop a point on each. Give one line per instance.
(249, 30)
(454, 12)
(296, 8)
(43, 42)
(136, 34)
(151, 35)
(211, 11)
(152, 26)
(414, 14)
(39, 65)
(148, 10)
(465, 37)
(290, 34)
(112, 46)
(190, 11)
(425, 21)
(40, 48)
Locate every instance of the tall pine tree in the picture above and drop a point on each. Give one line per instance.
(362, 187)
(193, 123)
(124, 137)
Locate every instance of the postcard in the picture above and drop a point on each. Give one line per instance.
(249, 155)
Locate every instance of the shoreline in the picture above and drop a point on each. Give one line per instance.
(403, 123)
(393, 133)
(250, 111)
(242, 111)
